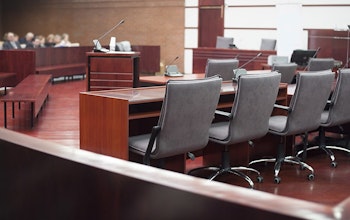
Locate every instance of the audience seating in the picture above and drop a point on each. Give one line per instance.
(248, 120)
(336, 114)
(222, 67)
(303, 115)
(184, 120)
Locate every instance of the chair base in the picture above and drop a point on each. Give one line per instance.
(219, 171)
(334, 144)
(289, 159)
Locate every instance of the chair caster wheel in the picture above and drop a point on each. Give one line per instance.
(260, 179)
(334, 164)
(277, 179)
(311, 176)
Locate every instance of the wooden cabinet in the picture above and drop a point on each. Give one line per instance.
(106, 71)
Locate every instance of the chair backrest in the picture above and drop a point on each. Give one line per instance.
(338, 112)
(268, 44)
(253, 105)
(310, 97)
(222, 67)
(287, 70)
(318, 64)
(186, 115)
(224, 42)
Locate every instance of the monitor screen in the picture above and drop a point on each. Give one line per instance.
(301, 57)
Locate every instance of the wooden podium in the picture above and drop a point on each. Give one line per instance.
(116, 70)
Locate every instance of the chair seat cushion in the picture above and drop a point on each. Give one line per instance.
(219, 131)
(138, 144)
(277, 123)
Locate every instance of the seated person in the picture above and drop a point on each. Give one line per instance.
(11, 42)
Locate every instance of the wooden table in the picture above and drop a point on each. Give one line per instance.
(108, 118)
(33, 89)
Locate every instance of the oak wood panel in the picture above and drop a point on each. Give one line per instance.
(333, 44)
(94, 125)
(9, 63)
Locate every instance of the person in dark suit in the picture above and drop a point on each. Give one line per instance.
(11, 42)
(27, 40)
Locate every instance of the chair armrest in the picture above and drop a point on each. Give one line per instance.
(282, 107)
(222, 113)
(155, 131)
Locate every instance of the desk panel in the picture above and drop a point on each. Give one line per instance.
(201, 55)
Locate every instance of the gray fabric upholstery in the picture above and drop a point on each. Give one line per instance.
(318, 64)
(339, 110)
(223, 42)
(287, 70)
(186, 115)
(253, 105)
(307, 104)
(268, 44)
(222, 67)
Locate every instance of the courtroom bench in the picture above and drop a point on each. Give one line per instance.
(34, 89)
(51, 181)
(61, 61)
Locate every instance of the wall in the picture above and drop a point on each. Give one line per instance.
(147, 22)
(285, 20)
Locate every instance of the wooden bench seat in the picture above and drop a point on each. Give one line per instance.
(62, 70)
(34, 89)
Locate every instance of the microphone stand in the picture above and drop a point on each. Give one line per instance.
(347, 49)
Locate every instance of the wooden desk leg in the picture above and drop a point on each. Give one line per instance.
(32, 114)
(5, 115)
(13, 109)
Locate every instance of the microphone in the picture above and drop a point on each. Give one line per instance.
(240, 71)
(96, 42)
(172, 70)
(308, 64)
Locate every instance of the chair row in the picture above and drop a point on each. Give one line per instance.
(189, 107)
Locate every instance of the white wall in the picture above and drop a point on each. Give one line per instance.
(250, 20)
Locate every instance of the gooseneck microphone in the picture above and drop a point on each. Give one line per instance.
(240, 71)
(109, 31)
(172, 70)
(315, 55)
(177, 57)
(97, 45)
(251, 60)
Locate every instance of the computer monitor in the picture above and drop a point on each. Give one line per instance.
(301, 57)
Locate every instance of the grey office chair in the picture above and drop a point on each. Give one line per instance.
(224, 42)
(222, 67)
(183, 126)
(318, 64)
(268, 44)
(287, 70)
(248, 120)
(303, 115)
(335, 115)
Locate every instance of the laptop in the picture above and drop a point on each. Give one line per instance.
(98, 47)
(171, 70)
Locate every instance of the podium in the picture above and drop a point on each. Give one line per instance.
(115, 70)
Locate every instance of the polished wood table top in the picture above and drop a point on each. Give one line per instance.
(162, 79)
